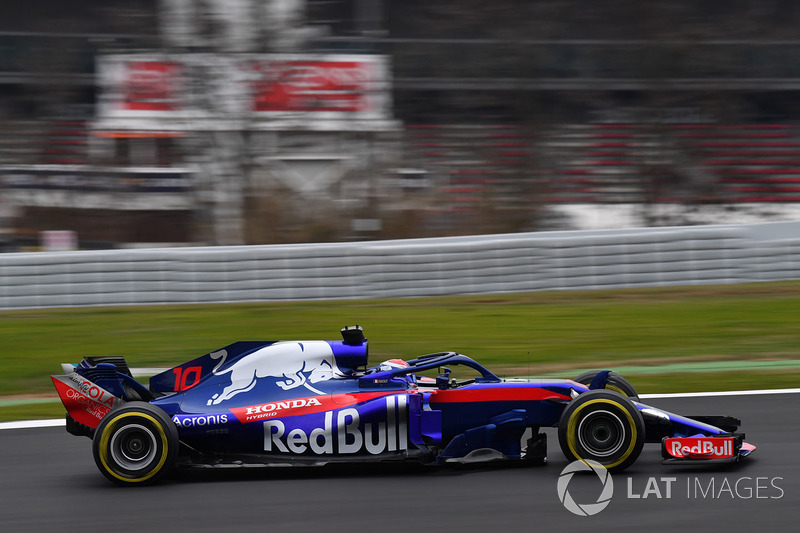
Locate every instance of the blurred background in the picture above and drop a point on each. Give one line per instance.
(179, 122)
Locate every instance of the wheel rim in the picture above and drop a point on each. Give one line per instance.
(133, 447)
(601, 433)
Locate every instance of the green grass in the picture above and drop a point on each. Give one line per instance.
(512, 334)
(706, 382)
(38, 411)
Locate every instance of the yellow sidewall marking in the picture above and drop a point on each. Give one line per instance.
(615, 389)
(573, 422)
(104, 438)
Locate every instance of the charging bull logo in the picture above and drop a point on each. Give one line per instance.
(294, 364)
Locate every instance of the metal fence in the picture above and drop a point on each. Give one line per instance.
(403, 268)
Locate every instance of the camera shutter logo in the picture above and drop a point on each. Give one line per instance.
(586, 509)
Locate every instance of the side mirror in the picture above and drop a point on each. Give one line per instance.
(443, 379)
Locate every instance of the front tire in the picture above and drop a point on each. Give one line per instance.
(135, 444)
(603, 426)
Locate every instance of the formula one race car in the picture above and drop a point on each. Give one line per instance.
(316, 402)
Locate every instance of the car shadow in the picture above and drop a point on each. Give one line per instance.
(334, 471)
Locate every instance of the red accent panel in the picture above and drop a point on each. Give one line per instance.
(499, 394)
(303, 406)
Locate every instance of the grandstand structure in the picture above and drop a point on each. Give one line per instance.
(497, 116)
(749, 163)
(610, 163)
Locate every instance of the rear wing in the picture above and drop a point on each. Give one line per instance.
(86, 402)
(90, 389)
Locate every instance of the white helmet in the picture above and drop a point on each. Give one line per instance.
(392, 364)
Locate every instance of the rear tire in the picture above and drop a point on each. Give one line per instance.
(615, 382)
(135, 444)
(603, 426)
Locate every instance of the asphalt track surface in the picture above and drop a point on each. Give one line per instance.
(50, 483)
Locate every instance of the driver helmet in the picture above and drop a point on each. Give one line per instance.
(392, 364)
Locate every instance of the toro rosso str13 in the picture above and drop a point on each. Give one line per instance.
(316, 402)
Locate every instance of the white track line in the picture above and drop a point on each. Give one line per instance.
(721, 393)
(27, 424)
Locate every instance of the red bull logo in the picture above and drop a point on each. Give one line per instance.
(343, 432)
(700, 447)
